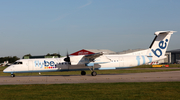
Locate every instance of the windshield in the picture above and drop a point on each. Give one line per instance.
(17, 63)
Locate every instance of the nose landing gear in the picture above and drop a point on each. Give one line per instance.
(12, 75)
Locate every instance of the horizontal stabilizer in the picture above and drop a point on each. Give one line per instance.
(164, 32)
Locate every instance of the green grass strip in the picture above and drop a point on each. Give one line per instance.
(91, 91)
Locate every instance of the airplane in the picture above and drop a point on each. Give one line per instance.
(97, 61)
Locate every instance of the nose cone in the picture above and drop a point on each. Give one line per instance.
(7, 70)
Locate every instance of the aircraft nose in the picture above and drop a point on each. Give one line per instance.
(7, 70)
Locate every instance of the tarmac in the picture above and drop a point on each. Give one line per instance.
(168, 76)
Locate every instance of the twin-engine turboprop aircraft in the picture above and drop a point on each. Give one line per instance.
(97, 61)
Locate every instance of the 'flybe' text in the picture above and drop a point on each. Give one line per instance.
(162, 45)
(45, 63)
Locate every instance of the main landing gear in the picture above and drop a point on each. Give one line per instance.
(83, 73)
(93, 73)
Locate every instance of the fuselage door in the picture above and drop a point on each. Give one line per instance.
(30, 65)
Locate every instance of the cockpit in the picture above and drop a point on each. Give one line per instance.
(18, 63)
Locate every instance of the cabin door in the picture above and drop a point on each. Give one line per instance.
(30, 65)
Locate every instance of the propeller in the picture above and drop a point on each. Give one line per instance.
(67, 59)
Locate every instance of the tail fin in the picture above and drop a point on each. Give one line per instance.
(160, 43)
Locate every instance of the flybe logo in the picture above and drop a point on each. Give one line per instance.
(158, 51)
(50, 63)
(46, 64)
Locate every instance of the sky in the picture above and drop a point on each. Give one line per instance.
(38, 27)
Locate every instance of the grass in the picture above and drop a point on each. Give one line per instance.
(90, 91)
(2, 68)
(119, 71)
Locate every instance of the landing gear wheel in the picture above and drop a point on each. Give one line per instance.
(83, 73)
(12, 75)
(93, 73)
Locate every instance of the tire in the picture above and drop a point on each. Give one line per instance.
(12, 75)
(83, 73)
(93, 73)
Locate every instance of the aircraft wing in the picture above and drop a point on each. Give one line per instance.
(93, 56)
(101, 58)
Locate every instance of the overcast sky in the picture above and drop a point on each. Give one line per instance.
(39, 27)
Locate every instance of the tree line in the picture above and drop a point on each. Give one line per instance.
(9, 58)
(12, 59)
(54, 54)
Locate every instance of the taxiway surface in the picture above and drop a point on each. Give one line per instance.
(168, 76)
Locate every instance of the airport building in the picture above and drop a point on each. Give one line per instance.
(92, 51)
(173, 56)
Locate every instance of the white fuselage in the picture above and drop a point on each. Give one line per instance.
(58, 64)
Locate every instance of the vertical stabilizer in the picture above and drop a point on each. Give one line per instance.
(160, 43)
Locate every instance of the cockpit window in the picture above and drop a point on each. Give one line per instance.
(17, 63)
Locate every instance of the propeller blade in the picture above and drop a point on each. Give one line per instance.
(67, 59)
